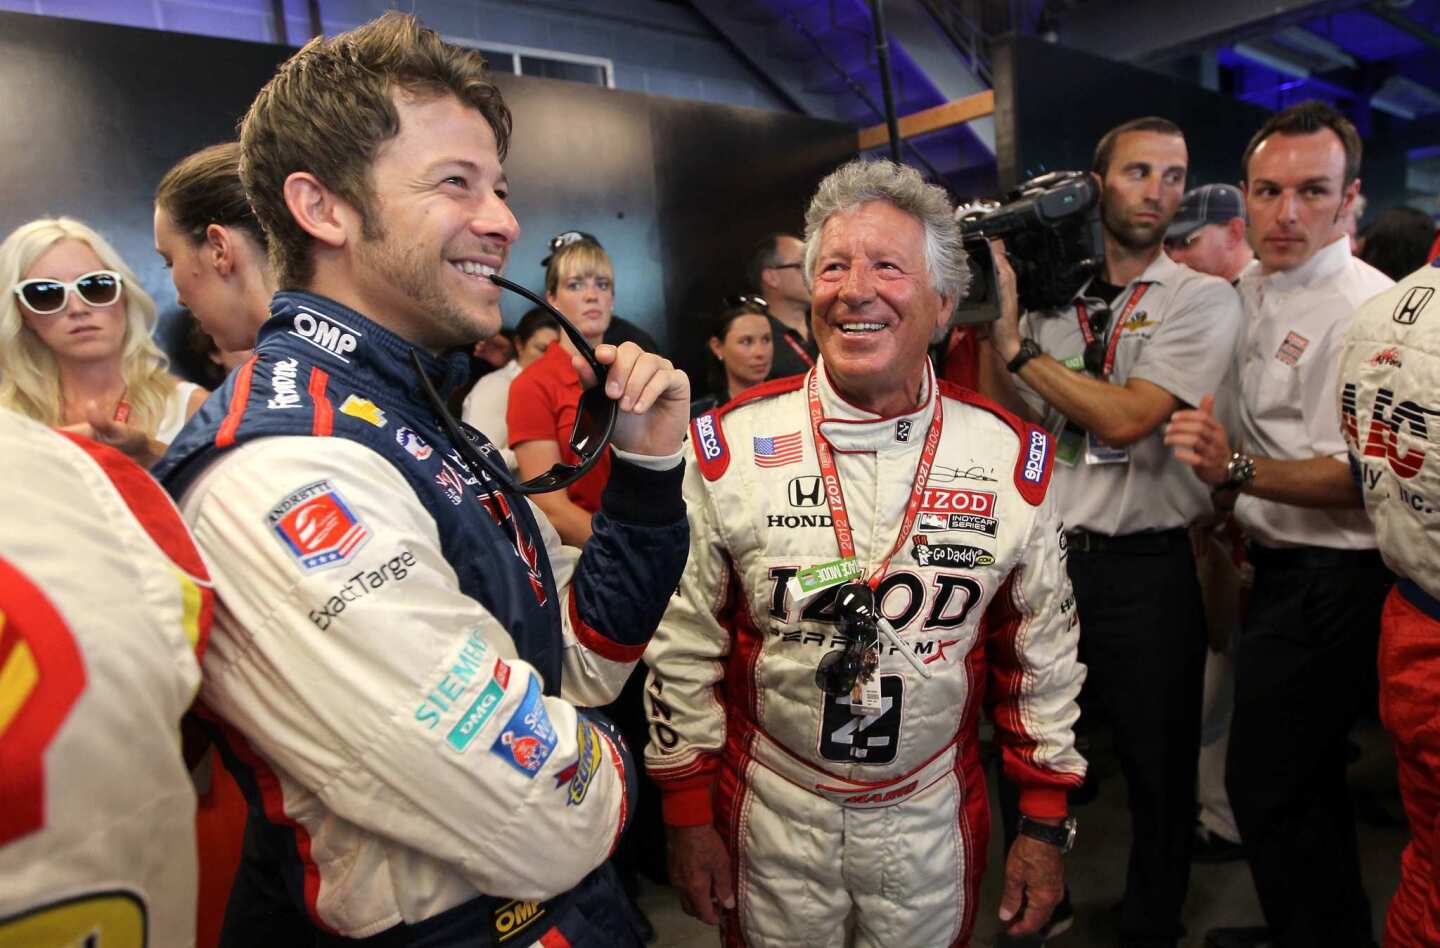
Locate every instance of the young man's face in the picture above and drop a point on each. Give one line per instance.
(1143, 185)
(443, 225)
(1294, 197)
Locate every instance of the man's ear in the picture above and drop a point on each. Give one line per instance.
(219, 249)
(1235, 229)
(1348, 202)
(318, 211)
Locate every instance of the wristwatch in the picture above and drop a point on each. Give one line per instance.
(1062, 835)
(1239, 472)
(1029, 349)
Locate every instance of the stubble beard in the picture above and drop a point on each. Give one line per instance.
(412, 273)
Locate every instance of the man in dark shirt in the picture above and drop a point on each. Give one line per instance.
(776, 273)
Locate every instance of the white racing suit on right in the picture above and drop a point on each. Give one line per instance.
(872, 824)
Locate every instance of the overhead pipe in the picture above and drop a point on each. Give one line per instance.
(882, 52)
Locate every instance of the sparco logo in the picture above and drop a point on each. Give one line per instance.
(282, 380)
(709, 444)
(1412, 303)
(326, 333)
(1035, 458)
(806, 492)
(946, 554)
(799, 520)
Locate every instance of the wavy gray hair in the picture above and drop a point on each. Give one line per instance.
(860, 182)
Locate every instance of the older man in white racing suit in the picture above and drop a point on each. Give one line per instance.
(816, 808)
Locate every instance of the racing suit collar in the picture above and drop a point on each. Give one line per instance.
(849, 428)
(351, 345)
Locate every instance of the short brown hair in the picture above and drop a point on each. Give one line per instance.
(578, 258)
(330, 108)
(1106, 146)
(204, 189)
(1307, 118)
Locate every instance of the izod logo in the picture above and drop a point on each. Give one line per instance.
(980, 502)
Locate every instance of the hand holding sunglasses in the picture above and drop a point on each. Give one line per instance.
(595, 416)
(46, 297)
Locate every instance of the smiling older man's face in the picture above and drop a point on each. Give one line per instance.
(873, 308)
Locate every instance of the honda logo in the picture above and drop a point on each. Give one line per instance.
(1412, 303)
(806, 492)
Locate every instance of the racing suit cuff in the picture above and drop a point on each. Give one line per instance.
(1044, 803)
(636, 494)
(651, 462)
(686, 806)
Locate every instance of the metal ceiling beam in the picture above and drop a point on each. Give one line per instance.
(751, 29)
(1404, 24)
(1144, 33)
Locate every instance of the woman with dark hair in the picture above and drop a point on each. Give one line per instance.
(213, 246)
(1397, 242)
(743, 347)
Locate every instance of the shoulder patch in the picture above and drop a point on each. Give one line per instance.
(711, 451)
(1035, 460)
(1033, 466)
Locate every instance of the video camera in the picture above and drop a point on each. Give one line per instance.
(1053, 240)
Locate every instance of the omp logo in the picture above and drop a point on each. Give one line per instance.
(1035, 457)
(709, 444)
(326, 333)
(282, 380)
(806, 492)
(514, 917)
(1408, 310)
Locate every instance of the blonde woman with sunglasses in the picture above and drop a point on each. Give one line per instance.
(75, 346)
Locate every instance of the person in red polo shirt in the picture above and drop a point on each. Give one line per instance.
(579, 282)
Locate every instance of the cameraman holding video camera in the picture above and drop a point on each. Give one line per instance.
(1142, 337)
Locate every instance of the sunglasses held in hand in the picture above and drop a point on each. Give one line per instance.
(590, 436)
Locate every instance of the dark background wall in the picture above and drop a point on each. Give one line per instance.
(1059, 101)
(677, 191)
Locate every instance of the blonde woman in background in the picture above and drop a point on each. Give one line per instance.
(75, 346)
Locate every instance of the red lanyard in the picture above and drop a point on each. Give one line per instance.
(835, 496)
(1089, 333)
(799, 350)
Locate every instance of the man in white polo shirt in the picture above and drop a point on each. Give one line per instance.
(1305, 657)
(1144, 337)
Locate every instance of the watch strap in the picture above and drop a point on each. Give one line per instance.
(1029, 349)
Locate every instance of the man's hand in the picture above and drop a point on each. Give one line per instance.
(1201, 441)
(654, 398)
(700, 870)
(1034, 885)
(1005, 333)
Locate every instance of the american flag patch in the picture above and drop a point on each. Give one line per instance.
(777, 450)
